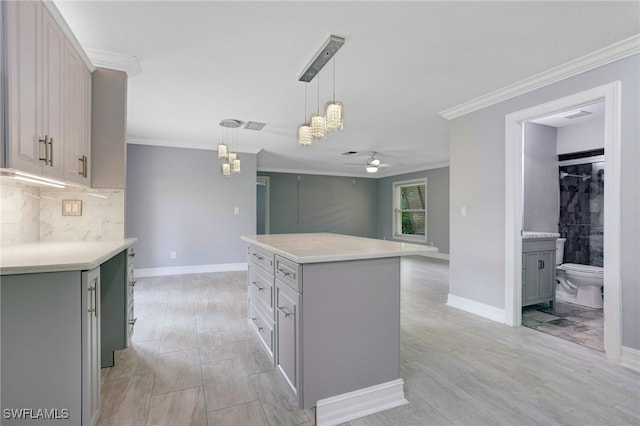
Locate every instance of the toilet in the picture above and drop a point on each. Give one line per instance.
(578, 284)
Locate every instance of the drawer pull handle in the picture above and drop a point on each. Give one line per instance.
(257, 286)
(133, 321)
(132, 283)
(283, 272)
(283, 312)
(257, 256)
(257, 325)
(132, 254)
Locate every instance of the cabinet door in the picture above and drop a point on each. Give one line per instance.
(23, 21)
(91, 346)
(529, 277)
(546, 274)
(287, 332)
(53, 100)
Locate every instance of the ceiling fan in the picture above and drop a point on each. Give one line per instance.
(372, 164)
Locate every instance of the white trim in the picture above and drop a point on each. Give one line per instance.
(59, 19)
(189, 269)
(395, 206)
(476, 308)
(208, 146)
(583, 160)
(610, 94)
(604, 56)
(115, 61)
(630, 358)
(381, 174)
(360, 403)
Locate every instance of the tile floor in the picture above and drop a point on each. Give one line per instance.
(578, 324)
(194, 361)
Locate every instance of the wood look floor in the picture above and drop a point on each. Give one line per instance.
(195, 361)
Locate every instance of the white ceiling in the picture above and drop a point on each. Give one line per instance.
(402, 63)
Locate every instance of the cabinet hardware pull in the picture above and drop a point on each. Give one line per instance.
(283, 272)
(133, 321)
(257, 325)
(45, 141)
(83, 171)
(51, 152)
(132, 283)
(255, 283)
(132, 254)
(285, 314)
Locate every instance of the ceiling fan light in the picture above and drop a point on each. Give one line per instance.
(333, 113)
(374, 162)
(318, 126)
(372, 169)
(304, 135)
(223, 150)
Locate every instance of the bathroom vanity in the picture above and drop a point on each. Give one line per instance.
(327, 310)
(539, 268)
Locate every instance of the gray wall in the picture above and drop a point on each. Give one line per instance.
(177, 200)
(437, 206)
(541, 182)
(477, 152)
(338, 204)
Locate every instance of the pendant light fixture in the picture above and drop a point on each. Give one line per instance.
(318, 122)
(304, 130)
(333, 109)
(232, 163)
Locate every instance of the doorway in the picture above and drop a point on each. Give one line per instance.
(262, 205)
(610, 95)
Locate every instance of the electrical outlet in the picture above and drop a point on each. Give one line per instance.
(174, 255)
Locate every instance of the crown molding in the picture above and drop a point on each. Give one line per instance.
(59, 19)
(604, 56)
(115, 61)
(362, 174)
(181, 145)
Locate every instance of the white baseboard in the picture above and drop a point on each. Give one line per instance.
(630, 358)
(190, 269)
(476, 308)
(360, 403)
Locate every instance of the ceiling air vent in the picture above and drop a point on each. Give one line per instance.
(349, 153)
(577, 114)
(254, 125)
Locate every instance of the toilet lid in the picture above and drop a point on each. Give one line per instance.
(583, 268)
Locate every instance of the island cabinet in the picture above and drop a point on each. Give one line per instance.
(538, 271)
(51, 347)
(330, 322)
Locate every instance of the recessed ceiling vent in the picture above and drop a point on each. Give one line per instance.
(254, 125)
(577, 114)
(349, 153)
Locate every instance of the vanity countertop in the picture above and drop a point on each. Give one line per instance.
(327, 247)
(528, 235)
(58, 256)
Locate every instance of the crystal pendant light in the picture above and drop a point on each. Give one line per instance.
(232, 157)
(223, 150)
(304, 130)
(226, 169)
(333, 109)
(235, 166)
(318, 122)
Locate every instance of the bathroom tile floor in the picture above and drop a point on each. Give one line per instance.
(578, 324)
(194, 360)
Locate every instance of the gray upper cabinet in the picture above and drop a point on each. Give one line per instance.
(44, 94)
(108, 129)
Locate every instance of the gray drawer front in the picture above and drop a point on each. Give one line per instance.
(289, 273)
(261, 287)
(262, 258)
(538, 245)
(262, 326)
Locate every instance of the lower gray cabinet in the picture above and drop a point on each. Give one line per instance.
(288, 332)
(51, 347)
(538, 272)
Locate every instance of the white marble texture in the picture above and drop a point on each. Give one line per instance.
(102, 218)
(326, 247)
(56, 256)
(19, 212)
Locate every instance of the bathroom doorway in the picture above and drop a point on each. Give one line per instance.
(609, 95)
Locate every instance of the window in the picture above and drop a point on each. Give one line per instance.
(409, 210)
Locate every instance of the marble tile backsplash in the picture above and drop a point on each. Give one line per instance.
(19, 213)
(102, 216)
(30, 213)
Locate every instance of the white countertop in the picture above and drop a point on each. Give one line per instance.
(527, 235)
(58, 256)
(325, 247)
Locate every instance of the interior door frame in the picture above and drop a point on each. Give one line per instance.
(610, 94)
(266, 181)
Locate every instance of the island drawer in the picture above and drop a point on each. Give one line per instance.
(262, 257)
(261, 287)
(288, 272)
(263, 326)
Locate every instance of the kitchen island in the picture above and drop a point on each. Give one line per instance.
(327, 310)
(65, 307)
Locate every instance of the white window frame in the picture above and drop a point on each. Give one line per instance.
(397, 222)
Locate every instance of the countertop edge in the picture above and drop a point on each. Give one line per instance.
(342, 257)
(66, 267)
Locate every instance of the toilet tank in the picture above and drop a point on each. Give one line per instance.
(560, 250)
